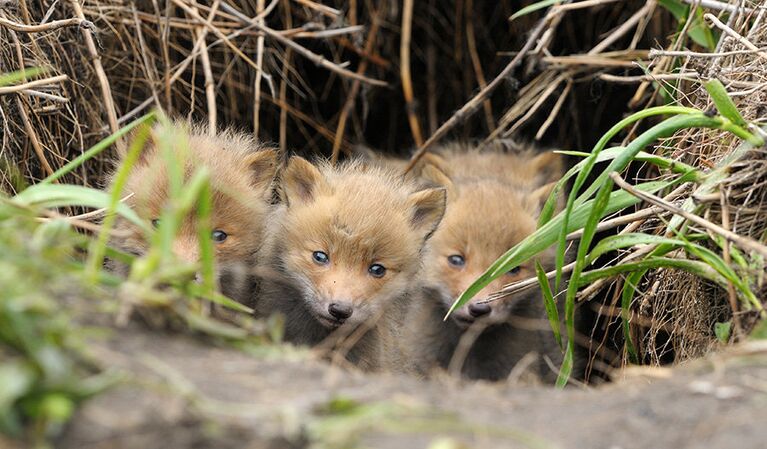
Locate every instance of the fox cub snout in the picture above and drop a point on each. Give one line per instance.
(346, 245)
(241, 174)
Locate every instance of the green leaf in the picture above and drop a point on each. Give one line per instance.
(98, 249)
(16, 378)
(724, 103)
(62, 195)
(207, 259)
(98, 148)
(698, 268)
(20, 75)
(546, 236)
(627, 295)
(615, 242)
(534, 7)
(659, 161)
(722, 331)
(760, 331)
(698, 31)
(574, 198)
(567, 366)
(548, 299)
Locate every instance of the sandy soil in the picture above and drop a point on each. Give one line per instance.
(184, 393)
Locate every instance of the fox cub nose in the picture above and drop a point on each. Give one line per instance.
(478, 310)
(340, 311)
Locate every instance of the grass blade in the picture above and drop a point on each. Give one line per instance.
(63, 195)
(533, 7)
(546, 236)
(98, 250)
(548, 299)
(98, 148)
(723, 102)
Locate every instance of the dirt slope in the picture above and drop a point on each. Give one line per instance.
(187, 394)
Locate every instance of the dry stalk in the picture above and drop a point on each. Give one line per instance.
(644, 11)
(555, 110)
(405, 75)
(106, 90)
(50, 26)
(259, 72)
(732, 33)
(471, 42)
(745, 243)
(471, 106)
(349, 104)
(317, 59)
(731, 295)
(29, 85)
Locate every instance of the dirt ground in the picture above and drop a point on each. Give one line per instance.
(184, 393)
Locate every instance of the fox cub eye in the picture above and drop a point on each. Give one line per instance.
(377, 270)
(320, 257)
(156, 223)
(456, 260)
(514, 270)
(218, 236)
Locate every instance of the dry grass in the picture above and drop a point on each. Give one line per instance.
(206, 60)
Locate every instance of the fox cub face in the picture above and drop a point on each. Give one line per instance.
(241, 174)
(484, 218)
(352, 237)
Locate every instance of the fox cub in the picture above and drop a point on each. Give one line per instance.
(241, 175)
(345, 245)
(494, 199)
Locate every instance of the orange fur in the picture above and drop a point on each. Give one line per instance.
(241, 174)
(359, 217)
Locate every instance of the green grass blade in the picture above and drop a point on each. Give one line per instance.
(98, 250)
(627, 295)
(616, 242)
(721, 267)
(591, 161)
(533, 7)
(204, 210)
(11, 78)
(98, 148)
(548, 299)
(199, 291)
(604, 184)
(546, 236)
(548, 208)
(567, 366)
(64, 195)
(724, 103)
(661, 162)
(696, 267)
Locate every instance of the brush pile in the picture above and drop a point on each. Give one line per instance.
(679, 315)
(315, 77)
(325, 77)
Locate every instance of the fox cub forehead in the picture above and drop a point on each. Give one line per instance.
(359, 210)
(486, 216)
(494, 197)
(240, 169)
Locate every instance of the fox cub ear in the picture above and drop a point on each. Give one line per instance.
(539, 196)
(263, 166)
(549, 166)
(432, 159)
(301, 181)
(144, 135)
(436, 177)
(427, 208)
